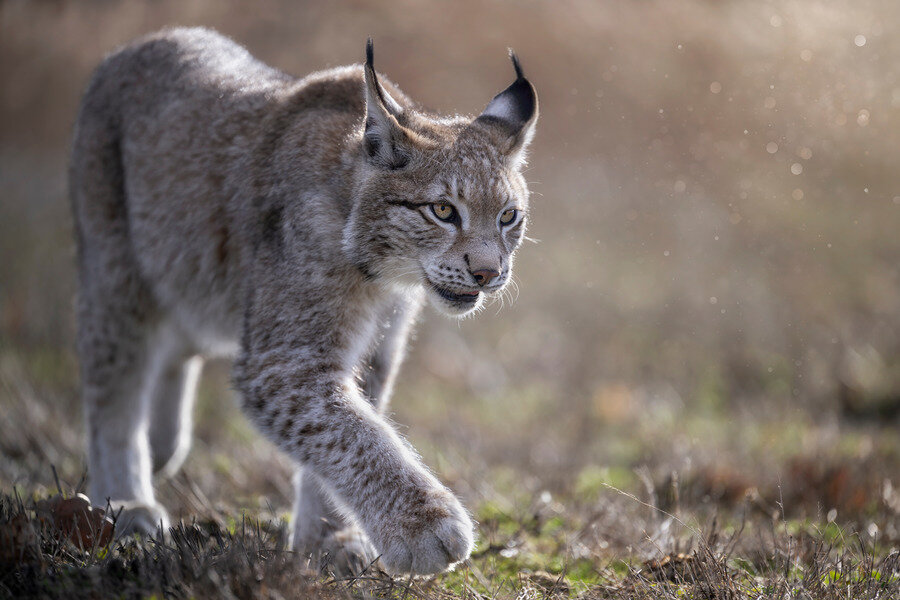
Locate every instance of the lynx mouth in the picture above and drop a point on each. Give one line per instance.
(457, 297)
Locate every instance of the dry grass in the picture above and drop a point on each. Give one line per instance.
(249, 560)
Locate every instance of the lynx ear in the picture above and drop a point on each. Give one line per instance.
(512, 114)
(384, 136)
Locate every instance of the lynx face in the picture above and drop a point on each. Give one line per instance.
(466, 229)
(479, 228)
(444, 203)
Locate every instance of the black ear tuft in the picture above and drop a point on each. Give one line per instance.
(370, 53)
(512, 114)
(383, 137)
(516, 106)
(516, 65)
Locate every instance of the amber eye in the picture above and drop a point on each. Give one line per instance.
(508, 216)
(444, 212)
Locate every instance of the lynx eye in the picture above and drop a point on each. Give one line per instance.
(508, 216)
(444, 212)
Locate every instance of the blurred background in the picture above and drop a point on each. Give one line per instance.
(713, 294)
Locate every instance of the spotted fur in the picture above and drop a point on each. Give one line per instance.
(223, 208)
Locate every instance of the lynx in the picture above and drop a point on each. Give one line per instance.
(224, 208)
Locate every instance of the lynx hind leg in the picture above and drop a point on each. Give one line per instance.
(171, 410)
(323, 534)
(116, 364)
(114, 320)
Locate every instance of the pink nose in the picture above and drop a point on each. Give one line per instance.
(485, 276)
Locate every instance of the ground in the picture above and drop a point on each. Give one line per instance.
(712, 503)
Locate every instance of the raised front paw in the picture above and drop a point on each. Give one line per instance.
(428, 535)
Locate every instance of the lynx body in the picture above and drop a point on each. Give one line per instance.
(224, 208)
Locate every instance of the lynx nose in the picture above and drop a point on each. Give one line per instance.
(485, 276)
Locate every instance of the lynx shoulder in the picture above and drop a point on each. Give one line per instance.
(223, 207)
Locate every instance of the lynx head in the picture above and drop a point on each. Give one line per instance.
(441, 202)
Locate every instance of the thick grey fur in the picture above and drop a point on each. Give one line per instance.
(223, 208)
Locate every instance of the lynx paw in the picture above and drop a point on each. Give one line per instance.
(138, 517)
(427, 538)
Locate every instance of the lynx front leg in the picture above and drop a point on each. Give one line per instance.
(415, 524)
(318, 526)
